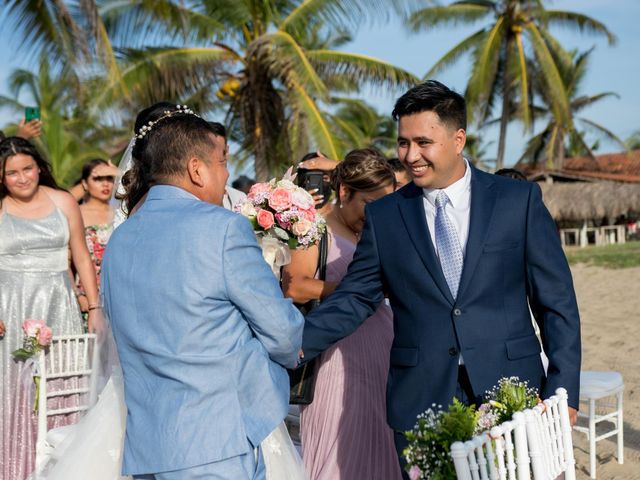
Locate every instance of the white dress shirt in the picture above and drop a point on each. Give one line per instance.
(457, 210)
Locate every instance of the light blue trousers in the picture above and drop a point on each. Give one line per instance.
(249, 466)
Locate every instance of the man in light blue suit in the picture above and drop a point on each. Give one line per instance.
(202, 329)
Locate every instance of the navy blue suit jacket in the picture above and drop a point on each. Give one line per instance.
(513, 259)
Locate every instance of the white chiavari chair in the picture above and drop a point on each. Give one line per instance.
(68, 357)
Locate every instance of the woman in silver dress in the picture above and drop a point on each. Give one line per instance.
(38, 224)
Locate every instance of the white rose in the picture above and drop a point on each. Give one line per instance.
(301, 227)
(248, 210)
(302, 199)
(287, 185)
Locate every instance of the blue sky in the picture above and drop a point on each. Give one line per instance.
(613, 68)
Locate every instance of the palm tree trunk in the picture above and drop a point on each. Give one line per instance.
(506, 98)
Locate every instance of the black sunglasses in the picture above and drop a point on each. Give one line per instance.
(102, 178)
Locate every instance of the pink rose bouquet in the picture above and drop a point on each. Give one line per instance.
(37, 337)
(282, 210)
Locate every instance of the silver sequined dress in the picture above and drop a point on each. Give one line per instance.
(34, 284)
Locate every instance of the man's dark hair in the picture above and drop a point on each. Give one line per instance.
(2, 135)
(511, 173)
(433, 96)
(243, 182)
(396, 165)
(219, 129)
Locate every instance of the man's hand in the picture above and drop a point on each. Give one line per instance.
(29, 130)
(573, 416)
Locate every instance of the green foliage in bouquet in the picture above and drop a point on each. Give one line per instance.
(429, 441)
(509, 396)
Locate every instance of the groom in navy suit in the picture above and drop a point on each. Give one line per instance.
(461, 255)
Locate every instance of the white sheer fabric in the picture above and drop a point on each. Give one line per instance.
(126, 162)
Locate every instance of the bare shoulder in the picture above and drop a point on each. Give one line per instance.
(62, 199)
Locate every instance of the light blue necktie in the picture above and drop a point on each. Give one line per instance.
(448, 245)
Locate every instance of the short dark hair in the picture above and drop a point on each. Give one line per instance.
(433, 96)
(218, 129)
(511, 173)
(396, 165)
(162, 152)
(12, 146)
(242, 182)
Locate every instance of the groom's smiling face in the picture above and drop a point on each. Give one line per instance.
(431, 149)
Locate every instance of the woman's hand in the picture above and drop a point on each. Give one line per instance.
(83, 302)
(319, 163)
(29, 130)
(96, 322)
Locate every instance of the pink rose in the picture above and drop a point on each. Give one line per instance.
(415, 473)
(308, 214)
(44, 336)
(258, 189)
(280, 199)
(265, 219)
(31, 327)
(301, 227)
(283, 221)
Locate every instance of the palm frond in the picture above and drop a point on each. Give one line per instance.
(456, 52)
(603, 132)
(525, 113)
(582, 22)
(453, 14)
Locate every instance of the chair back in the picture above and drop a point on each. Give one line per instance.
(549, 438)
(68, 356)
(500, 454)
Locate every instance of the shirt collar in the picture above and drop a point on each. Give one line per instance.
(456, 191)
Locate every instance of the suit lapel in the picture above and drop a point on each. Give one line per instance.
(483, 199)
(414, 217)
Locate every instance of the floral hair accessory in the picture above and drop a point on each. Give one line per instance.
(180, 109)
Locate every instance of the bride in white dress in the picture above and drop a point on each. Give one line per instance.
(93, 447)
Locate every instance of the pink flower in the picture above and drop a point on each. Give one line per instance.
(301, 227)
(308, 214)
(280, 199)
(283, 221)
(31, 327)
(258, 188)
(265, 219)
(44, 336)
(415, 473)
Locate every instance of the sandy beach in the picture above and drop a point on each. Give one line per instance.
(609, 302)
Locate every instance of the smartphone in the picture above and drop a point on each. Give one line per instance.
(31, 113)
(314, 180)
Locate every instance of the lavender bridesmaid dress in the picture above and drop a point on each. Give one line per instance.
(34, 284)
(344, 431)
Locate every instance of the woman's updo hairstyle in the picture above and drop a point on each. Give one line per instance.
(362, 170)
(137, 181)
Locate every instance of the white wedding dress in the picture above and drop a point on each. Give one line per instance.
(92, 448)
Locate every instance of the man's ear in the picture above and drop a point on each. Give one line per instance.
(195, 168)
(461, 140)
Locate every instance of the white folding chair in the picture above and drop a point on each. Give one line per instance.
(594, 387)
(68, 356)
(500, 454)
(549, 438)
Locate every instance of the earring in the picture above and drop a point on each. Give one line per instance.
(341, 205)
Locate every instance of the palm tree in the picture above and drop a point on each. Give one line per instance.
(360, 125)
(552, 144)
(70, 134)
(633, 142)
(253, 56)
(500, 53)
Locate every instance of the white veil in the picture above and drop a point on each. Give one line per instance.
(126, 162)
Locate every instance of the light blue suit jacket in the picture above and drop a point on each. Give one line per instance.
(202, 330)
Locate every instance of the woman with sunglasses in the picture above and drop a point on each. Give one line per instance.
(98, 178)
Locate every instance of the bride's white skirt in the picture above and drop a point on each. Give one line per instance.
(93, 447)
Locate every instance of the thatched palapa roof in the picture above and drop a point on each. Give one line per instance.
(586, 201)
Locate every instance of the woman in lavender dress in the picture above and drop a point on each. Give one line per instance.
(344, 431)
(38, 224)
